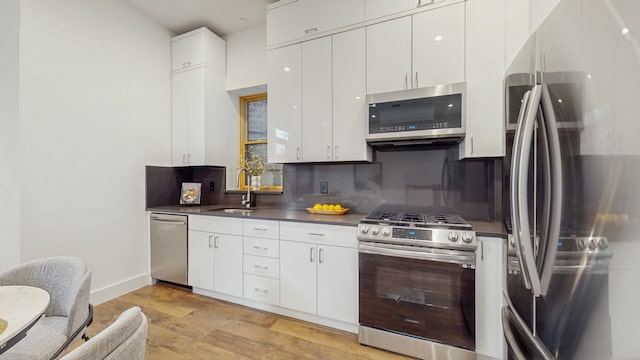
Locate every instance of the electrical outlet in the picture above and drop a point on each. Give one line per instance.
(212, 186)
(324, 187)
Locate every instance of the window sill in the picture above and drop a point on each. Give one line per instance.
(244, 191)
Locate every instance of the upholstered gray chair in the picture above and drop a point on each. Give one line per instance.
(124, 339)
(68, 282)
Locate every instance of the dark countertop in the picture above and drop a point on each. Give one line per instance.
(348, 219)
(482, 227)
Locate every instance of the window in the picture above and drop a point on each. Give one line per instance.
(253, 138)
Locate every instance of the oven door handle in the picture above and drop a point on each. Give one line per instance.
(465, 258)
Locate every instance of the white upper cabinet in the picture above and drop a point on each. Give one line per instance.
(378, 8)
(349, 97)
(290, 20)
(389, 56)
(285, 104)
(485, 69)
(421, 50)
(317, 109)
(199, 47)
(317, 124)
(188, 117)
(438, 46)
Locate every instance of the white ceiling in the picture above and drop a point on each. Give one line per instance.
(223, 17)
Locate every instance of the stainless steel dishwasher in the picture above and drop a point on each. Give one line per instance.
(169, 259)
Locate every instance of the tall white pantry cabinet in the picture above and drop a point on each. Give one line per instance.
(200, 103)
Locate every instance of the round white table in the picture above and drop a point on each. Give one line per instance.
(20, 308)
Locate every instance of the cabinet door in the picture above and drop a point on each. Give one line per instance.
(300, 18)
(489, 279)
(438, 46)
(338, 283)
(389, 56)
(485, 66)
(316, 100)
(285, 102)
(349, 97)
(378, 8)
(298, 276)
(187, 117)
(201, 260)
(188, 51)
(228, 264)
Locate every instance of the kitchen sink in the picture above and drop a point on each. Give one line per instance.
(233, 210)
(238, 211)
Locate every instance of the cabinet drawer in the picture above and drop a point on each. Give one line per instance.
(344, 236)
(262, 289)
(261, 247)
(262, 229)
(263, 266)
(222, 225)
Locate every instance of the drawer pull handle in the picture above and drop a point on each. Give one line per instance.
(186, 64)
(260, 247)
(264, 291)
(263, 267)
(316, 234)
(260, 228)
(311, 30)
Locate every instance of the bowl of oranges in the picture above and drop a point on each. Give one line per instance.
(327, 209)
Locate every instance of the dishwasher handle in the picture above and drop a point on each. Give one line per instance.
(169, 219)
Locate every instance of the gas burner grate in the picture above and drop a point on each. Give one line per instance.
(383, 216)
(414, 218)
(445, 219)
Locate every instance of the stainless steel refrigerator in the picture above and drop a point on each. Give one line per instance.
(572, 204)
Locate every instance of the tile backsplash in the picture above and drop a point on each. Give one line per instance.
(414, 177)
(408, 176)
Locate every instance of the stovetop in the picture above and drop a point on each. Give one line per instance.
(418, 219)
(417, 227)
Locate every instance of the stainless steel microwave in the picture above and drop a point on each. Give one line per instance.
(417, 114)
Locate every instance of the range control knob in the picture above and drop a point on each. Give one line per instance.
(386, 231)
(593, 244)
(467, 237)
(375, 230)
(581, 244)
(603, 243)
(453, 236)
(364, 229)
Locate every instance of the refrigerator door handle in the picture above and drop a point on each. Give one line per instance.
(510, 316)
(520, 210)
(513, 186)
(510, 337)
(555, 209)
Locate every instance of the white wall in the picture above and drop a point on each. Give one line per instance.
(9, 129)
(247, 61)
(95, 101)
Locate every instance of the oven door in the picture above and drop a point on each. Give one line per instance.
(422, 292)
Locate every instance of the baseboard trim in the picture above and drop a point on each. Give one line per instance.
(110, 292)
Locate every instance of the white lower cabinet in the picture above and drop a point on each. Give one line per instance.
(262, 289)
(490, 278)
(215, 259)
(316, 277)
(261, 264)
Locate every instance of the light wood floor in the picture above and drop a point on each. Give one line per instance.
(183, 325)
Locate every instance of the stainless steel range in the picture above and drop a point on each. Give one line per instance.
(417, 283)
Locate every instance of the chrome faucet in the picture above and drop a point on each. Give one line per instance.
(246, 199)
